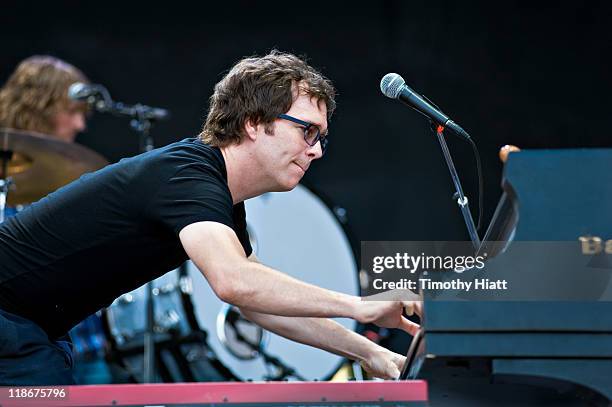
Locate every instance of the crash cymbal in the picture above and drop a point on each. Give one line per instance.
(39, 164)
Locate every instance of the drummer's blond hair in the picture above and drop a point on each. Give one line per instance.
(259, 89)
(36, 91)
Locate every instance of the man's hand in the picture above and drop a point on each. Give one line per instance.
(389, 314)
(383, 364)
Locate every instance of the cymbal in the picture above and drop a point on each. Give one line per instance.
(39, 164)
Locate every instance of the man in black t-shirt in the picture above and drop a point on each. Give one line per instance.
(111, 231)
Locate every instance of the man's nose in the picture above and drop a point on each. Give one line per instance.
(315, 152)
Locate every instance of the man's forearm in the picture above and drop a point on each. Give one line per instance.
(258, 288)
(216, 251)
(320, 333)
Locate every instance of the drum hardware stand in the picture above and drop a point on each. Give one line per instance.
(200, 337)
(5, 181)
(183, 360)
(186, 290)
(459, 196)
(173, 363)
(178, 356)
(142, 119)
(141, 123)
(5, 185)
(146, 144)
(284, 371)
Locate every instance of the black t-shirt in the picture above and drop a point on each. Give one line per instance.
(107, 233)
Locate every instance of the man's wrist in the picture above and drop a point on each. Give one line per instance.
(374, 352)
(356, 309)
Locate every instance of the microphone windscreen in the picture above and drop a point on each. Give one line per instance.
(79, 91)
(391, 85)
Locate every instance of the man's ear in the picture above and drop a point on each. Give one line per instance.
(250, 129)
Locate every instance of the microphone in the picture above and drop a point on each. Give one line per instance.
(99, 98)
(81, 92)
(393, 86)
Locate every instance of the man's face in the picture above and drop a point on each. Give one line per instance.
(68, 123)
(285, 154)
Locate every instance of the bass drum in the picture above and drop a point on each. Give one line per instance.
(296, 233)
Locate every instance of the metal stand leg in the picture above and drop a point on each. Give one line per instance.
(149, 338)
(462, 200)
(4, 187)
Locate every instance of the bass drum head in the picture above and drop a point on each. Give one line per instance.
(296, 233)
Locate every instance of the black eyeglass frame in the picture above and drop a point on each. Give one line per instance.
(307, 125)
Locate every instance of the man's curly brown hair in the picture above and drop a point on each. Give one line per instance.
(259, 89)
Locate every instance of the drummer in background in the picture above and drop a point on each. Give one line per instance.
(35, 99)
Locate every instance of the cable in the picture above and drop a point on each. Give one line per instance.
(480, 182)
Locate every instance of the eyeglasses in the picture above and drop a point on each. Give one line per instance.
(312, 132)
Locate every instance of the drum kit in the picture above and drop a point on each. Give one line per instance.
(196, 336)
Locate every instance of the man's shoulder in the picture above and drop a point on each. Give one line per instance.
(167, 160)
(190, 151)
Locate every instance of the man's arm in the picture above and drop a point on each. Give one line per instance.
(216, 251)
(331, 336)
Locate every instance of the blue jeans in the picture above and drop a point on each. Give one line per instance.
(28, 357)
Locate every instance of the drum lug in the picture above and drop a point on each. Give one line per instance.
(164, 289)
(186, 285)
(126, 299)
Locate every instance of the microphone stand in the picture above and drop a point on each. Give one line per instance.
(142, 119)
(142, 125)
(143, 116)
(462, 200)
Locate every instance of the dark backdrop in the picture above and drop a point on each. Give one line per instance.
(531, 75)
